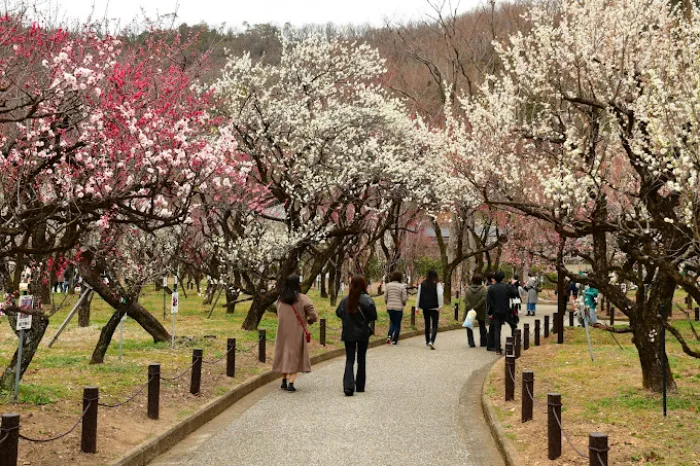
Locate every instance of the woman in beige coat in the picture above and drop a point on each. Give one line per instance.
(294, 312)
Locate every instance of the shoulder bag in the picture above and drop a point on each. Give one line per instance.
(301, 322)
(369, 327)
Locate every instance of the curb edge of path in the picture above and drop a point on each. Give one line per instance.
(497, 432)
(150, 449)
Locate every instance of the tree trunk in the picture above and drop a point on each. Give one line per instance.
(137, 312)
(209, 294)
(336, 285)
(98, 354)
(447, 285)
(231, 296)
(84, 310)
(32, 338)
(646, 324)
(257, 310)
(324, 290)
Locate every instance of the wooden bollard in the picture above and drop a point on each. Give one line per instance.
(598, 449)
(510, 377)
(88, 440)
(546, 326)
(322, 332)
(528, 389)
(697, 314)
(553, 429)
(413, 316)
(518, 342)
(231, 357)
(196, 379)
(526, 336)
(537, 332)
(456, 311)
(607, 307)
(612, 316)
(153, 391)
(262, 340)
(571, 318)
(509, 346)
(9, 435)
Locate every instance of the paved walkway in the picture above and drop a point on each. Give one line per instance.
(420, 407)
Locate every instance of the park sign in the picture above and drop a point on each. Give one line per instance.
(24, 321)
(175, 304)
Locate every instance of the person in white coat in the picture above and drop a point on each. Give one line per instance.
(430, 299)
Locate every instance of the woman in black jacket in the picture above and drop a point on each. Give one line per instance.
(356, 310)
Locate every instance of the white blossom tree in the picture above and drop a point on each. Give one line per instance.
(592, 128)
(331, 147)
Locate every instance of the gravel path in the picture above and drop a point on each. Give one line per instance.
(421, 407)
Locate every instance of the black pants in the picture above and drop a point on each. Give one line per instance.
(497, 325)
(431, 324)
(350, 382)
(482, 335)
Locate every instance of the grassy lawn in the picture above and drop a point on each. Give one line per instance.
(51, 390)
(605, 396)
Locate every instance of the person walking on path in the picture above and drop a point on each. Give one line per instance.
(294, 312)
(357, 310)
(490, 346)
(532, 297)
(475, 298)
(430, 299)
(499, 298)
(395, 297)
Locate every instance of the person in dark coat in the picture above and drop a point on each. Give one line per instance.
(357, 310)
(499, 298)
(490, 280)
(475, 298)
(430, 300)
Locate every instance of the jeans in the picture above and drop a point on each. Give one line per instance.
(532, 307)
(395, 324)
(482, 335)
(431, 324)
(350, 382)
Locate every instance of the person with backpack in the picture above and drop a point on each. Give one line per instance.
(499, 298)
(475, 298)
(430, 299)
(294, 312)
(395, 297)
(357, 311)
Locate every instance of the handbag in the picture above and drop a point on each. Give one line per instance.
(306, 332)
(369, 327)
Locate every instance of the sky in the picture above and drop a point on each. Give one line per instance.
(235, 12)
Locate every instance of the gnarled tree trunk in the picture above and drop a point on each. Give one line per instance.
(32, 338)
(84, 310)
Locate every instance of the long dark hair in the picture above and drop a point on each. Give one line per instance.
(358, 285)
(430, 283)
(292, 288)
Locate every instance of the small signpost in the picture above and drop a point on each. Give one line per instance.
(24, 322)
(174, 307)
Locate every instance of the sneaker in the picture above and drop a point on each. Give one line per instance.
(395, 343)
(431, 345)
(388, 340)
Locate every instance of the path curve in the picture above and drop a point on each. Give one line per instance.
(421, 407)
